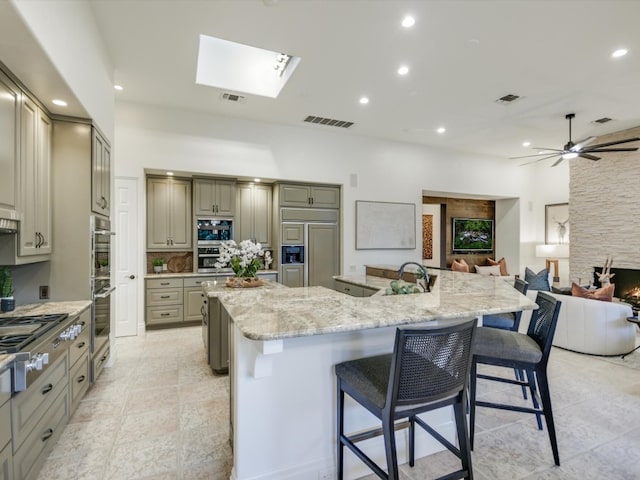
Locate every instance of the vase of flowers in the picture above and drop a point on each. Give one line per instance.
(245, 259)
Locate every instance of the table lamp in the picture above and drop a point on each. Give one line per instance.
(551, 254)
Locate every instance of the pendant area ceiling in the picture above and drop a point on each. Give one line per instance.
(462, 57)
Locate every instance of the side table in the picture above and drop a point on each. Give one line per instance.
(635, 320)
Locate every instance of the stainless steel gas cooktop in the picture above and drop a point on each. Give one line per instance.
(19, 331)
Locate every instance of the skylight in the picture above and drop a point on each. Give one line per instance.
(242, 68)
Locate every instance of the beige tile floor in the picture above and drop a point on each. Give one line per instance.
(159, 413)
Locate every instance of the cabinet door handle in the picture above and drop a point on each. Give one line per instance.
(165, 296)
(164, 283)
(81, 379)
(47, 388)
(81, 344)
(48, 433)
(165, 314)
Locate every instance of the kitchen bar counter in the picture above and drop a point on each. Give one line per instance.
(224, 272)
(70, 308)
(284, 344)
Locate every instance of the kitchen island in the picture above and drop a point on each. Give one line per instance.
(284, 344)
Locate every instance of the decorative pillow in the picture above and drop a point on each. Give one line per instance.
(460, 266)
(537, 281)
(605, 293)
(502, 263)
(491, 270)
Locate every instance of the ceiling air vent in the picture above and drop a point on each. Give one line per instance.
(602, 120)
(508, 98)
(233, 97)
(328, 121)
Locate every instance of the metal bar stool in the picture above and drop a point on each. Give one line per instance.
(428, 369)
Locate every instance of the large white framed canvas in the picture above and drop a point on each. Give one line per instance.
(385, 225)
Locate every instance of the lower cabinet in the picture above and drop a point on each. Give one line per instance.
(6, 457)
(292, 275)
(6, 463)
(99, 360)
(353, 289)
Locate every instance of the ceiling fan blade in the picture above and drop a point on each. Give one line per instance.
(539, 160)
(582, 143)
(617, 142)
(557, 161)
(630, 149)
(548, 149)
(588, 157)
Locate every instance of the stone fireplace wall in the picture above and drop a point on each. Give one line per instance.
(604, 204)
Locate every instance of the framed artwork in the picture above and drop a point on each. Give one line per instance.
(385, 225)
(556, 229)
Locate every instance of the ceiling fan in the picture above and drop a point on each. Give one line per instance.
(580, 149)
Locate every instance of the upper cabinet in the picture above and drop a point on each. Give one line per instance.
(169, 220)
(35, 183)
(314, 196)
(9, 146)
(100, 175)
(214, 197)
(254, 213)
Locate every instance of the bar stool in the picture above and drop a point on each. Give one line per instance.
(428, 369)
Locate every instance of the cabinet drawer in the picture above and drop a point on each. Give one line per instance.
(28, 459)
(5, 424)
(170, 314)
(99, 360)
(196, 281)
(164, 283)
(162, 296)
(348, 288)
(28, 407)
(79, 381)
(80, 346)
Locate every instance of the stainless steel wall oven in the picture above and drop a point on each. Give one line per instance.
(101, 281)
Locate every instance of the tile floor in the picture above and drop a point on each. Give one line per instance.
(159, 413)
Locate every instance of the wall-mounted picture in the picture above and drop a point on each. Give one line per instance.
(472, 235)
(556, 229)
(385, 225)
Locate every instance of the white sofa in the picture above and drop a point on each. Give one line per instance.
(590, 326)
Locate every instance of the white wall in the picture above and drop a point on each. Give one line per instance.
(154, 137)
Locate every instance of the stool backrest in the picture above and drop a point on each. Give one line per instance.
(521, 286)
(429, 364)
(543, 322)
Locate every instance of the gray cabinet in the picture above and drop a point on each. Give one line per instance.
(353, 289)
(6, 459)
(292, 234)
(35, 185)
(79, 367)
(292, 275)
(100, 174)
(174, 300)
(314, 196)
(323, 254)
(9, 146)
(254, 213)
(169, 220)
(214, 197)
(194, 300)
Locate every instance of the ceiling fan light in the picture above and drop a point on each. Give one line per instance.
(570, 155)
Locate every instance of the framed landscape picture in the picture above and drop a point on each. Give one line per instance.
(556, 230)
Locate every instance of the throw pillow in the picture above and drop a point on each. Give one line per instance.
(605, 293)
(537, 281)
(491, 270)
(460, 266)
(502, 263)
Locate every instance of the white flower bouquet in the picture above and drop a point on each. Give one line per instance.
(243, 258)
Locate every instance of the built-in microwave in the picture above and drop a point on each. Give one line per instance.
(211, 231)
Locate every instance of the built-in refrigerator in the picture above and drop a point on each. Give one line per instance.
(309, 247)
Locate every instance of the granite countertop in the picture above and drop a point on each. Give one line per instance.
(215, 288)
(71, 308)
(5, 360)
(223, 272)
(271, 314)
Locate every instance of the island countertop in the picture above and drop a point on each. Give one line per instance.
(277, 313)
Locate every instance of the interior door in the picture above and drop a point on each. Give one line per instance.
(127, 308)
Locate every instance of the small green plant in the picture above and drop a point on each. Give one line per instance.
(158, 262)
(6, 282)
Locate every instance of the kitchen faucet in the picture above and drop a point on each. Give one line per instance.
(422, 269)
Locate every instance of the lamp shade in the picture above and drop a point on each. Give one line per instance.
(553, 251)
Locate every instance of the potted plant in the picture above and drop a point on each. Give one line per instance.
(245, 259)
(157, 264)
(7, 302)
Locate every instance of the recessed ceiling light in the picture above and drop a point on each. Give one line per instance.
(621, 52)
(526, 144)
(169, 173)
(441, 130)
(256, 180)
(364, 100)
(408, 21)
(118, 87)
(60, 103)
(403, 70)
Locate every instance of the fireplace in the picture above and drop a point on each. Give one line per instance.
(627, 284)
